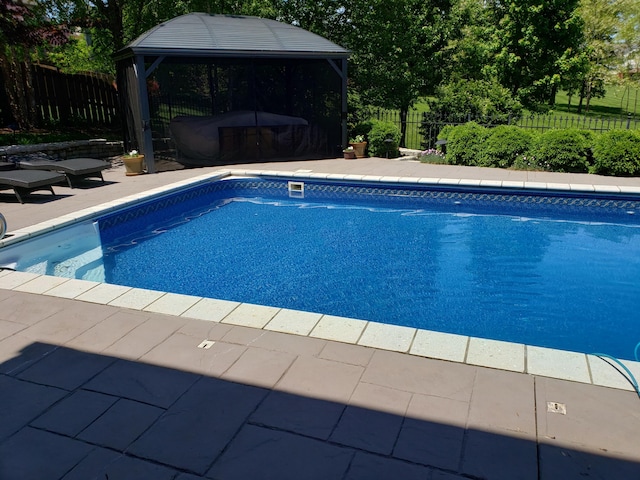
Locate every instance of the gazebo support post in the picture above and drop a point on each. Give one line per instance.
(147, 135)
(344, 103)
(342, 72)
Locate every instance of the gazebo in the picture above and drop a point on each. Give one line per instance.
(226, 88)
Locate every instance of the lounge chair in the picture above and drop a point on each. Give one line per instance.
(26, 181)
(74, 169)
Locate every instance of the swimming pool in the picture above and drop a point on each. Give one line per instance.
(523, 266)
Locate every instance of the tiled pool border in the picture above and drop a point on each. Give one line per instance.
(501, 355)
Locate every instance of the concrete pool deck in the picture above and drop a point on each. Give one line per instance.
(97, 381)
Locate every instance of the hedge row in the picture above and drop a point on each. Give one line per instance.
(616, 152)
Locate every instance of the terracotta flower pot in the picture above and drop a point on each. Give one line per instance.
(359, 148)
(134, 164)
(350, 154)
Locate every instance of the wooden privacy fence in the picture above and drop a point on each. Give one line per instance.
(75, 99)
(422, 128)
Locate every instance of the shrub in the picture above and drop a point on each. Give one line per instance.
(566, 150)
(444, 133)
(503, 145)
(464, 143)
(617, 152)
(379, 134)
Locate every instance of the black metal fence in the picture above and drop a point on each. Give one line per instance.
(422, 128)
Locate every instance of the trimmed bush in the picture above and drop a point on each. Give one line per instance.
(444, 133)
(379, 133)
(503, 145)
(465, 144)
(566, 150)
(617, 152)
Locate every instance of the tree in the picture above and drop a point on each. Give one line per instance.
(598, 56)
(397, 50)
(532, 38)
(470, 47)
(115, 23)
(476, 98)
(527, 47)
(22, 28)
(82, 53)
(573, 72)
(628, 45)
(327, 18)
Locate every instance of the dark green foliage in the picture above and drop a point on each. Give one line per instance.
(475, 98)
(566, 150)
(503, 145)
(357, 111)
(465, 143)
(617, 152)
(381, 131)
(362, 128)
(531, 38)
(397, 47)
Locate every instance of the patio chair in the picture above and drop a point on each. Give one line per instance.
(26, 181)
(74, 169)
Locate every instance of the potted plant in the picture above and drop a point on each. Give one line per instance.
(359, 145)
(349, 152)
(133, 163)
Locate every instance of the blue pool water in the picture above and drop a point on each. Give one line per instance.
(476, 264)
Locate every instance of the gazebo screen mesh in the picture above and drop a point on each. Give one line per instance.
(229, 110)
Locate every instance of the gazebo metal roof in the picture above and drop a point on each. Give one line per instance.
(201, 34)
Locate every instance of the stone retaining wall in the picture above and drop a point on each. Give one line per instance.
(95, 148)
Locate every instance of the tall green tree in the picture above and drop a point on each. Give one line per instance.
(115, 23)
(469, 52)
(327, 18)
(628, 42)
(532, 38)
(598, 57)
(397, 50)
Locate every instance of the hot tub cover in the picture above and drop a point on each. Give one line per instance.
(198, 137)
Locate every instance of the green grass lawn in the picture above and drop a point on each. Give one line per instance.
(618, 101)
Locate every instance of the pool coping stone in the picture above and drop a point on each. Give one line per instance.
(563, 365)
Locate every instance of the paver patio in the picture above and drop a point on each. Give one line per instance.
(90, 390)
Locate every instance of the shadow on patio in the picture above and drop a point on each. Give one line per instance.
(70, 414)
